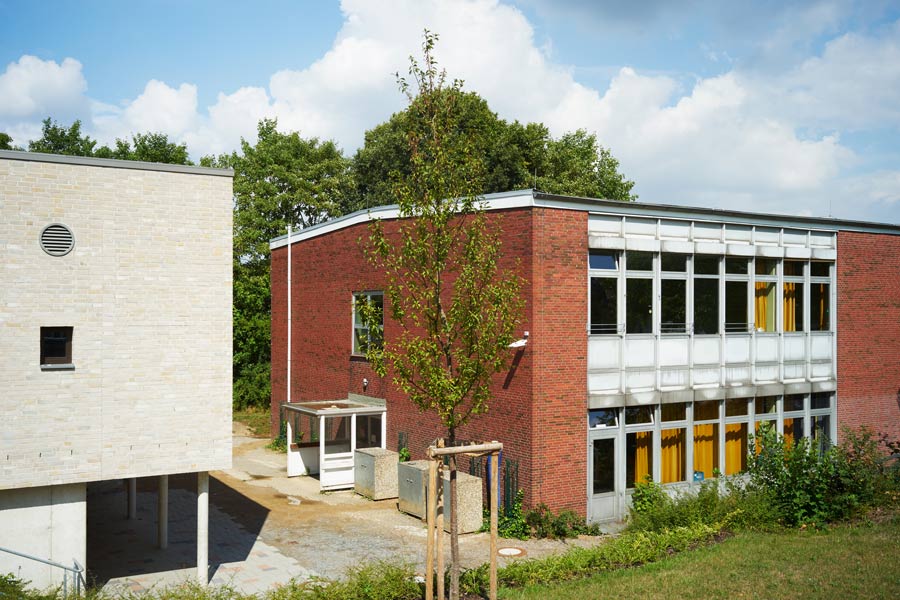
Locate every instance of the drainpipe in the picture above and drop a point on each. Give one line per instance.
(289, 314)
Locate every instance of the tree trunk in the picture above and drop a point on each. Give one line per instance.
(454, 533)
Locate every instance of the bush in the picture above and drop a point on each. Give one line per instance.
(627, 550)
(809, 487)
(544, 524)
(376, 581)
(723, 501)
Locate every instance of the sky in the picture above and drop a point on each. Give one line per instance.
(786, 106)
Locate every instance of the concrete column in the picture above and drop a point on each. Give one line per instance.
(132, 498)
(162, 509)
(203, 527)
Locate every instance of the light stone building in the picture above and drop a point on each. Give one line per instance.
(115, 340)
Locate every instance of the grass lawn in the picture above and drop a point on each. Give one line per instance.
(257, 419)
(843, 562)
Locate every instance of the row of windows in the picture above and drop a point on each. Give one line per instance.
(706, 294)
(714, 435)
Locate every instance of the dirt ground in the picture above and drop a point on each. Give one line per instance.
(330, 532)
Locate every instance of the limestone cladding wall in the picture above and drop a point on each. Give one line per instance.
(326, 271)
(868, 280)
(147, 289)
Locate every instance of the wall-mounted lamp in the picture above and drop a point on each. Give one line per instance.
(520, 343)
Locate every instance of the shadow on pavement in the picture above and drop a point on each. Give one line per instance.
(118, 547)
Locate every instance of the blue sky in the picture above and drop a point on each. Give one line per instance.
(790, 107)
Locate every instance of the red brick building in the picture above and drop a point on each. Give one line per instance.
(660, 337)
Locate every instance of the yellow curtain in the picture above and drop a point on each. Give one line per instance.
(735, 448)
(643, 446)
(760, 305)
(706, 448)
(793, 430)
(790, 306)
(674, 452)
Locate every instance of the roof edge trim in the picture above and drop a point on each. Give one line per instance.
(113, 163)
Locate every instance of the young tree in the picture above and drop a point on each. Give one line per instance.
(455, 307)
(6, 142)
(148, 147)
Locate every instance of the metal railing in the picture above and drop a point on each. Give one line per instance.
(76, 572)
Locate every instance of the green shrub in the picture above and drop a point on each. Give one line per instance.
(544, 524)
(510, 523)
(627, 550)
(375, 581)
(809, 487)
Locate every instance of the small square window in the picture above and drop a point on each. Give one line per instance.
(603, 259)
(639, 261)
(820, 269)
(56, 346)
(638, 414)
(675, 263)
(602, 417)
(737, 266)
(706, 264)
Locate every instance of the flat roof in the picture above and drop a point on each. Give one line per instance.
(113, 163)
(534, 198)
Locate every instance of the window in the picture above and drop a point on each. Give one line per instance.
(639, 261)
(735, 306)
(673, 293)
(706, 294)
(819, 309)
(56, 347)
(706, 438)
(673, 443)
(639, 305)
(603, 417)
(764, 296)
(363, 334)
(793, 295)
(603, 259)
(604, 305)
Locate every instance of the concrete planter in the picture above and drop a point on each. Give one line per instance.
(375, 473)
(413, 490)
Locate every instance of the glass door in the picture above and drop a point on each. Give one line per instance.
(603, 487)
(335, 447)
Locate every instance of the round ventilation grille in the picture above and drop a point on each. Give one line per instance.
(57, 240)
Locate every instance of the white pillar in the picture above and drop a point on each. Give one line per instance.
(203, 527)
(132, 498)
(162, 509)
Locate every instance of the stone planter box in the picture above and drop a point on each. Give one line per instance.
(413, 490)
(375, 473)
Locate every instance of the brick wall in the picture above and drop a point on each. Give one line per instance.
(559, 430)
(326, 271)
(868, 276)
(147, 289)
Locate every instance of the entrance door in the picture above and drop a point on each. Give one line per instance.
(602, 480)
(336, 450)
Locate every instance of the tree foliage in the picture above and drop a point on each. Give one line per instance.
(455, 308)
(515, 156)
(147, 147)
(6, 142)
(58, 139)
(283, 179)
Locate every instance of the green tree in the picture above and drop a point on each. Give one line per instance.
(455, 308)
(147, 147)
(57, 139)
(6, 142)
(283, 179)
(515, 156)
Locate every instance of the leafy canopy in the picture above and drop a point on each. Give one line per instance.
(456, 309)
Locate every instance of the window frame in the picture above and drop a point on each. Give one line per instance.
(53, 334)
(356, 325)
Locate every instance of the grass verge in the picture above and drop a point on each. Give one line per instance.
(256, 419)
(843, 561)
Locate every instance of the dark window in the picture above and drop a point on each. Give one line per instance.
(706, 264)
(820, 269)
(673, 306)
(793, 403)
(604, 466)
(766, 266)
(639, 261)
(603, 259)
(821, 400)
(676, 263)
(706, 306)
(735, 306)
(56, 345)
(604, 317)
(793, 268)
(819, 307)
(638, 414)
(639, 306)
(736, 266)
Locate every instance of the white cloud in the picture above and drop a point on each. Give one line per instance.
(742, 139)
(33, 87)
